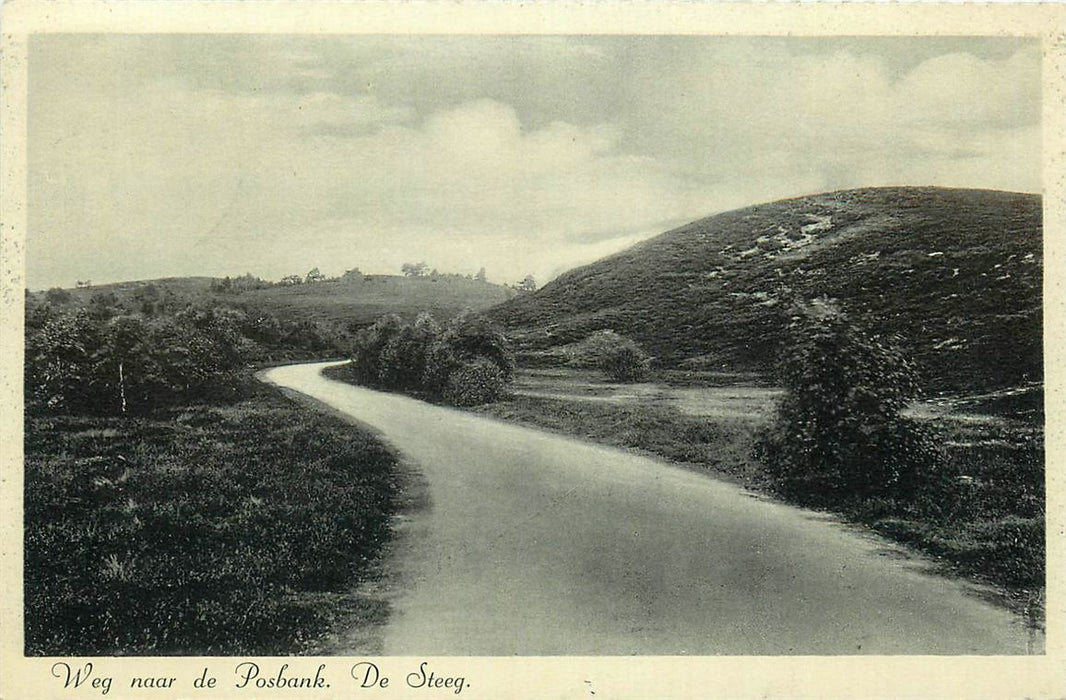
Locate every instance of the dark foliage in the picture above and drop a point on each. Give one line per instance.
(163, 513)
(151, 350)
(839, 436)
(622, 359)
(188, 532)
(474, 383)
(465, 363)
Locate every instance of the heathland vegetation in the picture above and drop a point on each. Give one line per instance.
(956, 274)
(175, 505)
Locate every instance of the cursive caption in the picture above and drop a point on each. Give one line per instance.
(249, 675)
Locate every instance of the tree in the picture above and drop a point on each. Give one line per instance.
(402, 364)
(528, 284)
(467, 362)
(839, 434)
(104, 305)
(414, 269)
(59, 362)
(369, 345)
(127, 369)
(146, 298)
(314, 276)
(57, 295)
(474, 382)
(353, 275)
(480, 276)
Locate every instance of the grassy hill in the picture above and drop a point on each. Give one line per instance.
(343, 302)
(956, 274)
(364, 301)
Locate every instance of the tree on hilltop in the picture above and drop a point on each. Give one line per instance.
(418, 269)
(528, 284)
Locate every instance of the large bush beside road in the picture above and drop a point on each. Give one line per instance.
(465, 363)
(971, 493)
(840, 434)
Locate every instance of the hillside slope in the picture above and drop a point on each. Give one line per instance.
(357, 302)
(956, 274)
(363, 302)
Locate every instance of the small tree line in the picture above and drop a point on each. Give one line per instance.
(465, 362)
(112, 356)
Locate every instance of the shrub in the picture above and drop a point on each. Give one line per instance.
(621, 358)
(839, 436)
(471, 336)
(469, 362)
(109, 359)
(369, 345)
(474, 383)
(402, 363)
(626, 363)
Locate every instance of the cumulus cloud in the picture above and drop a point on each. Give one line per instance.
(369, 153)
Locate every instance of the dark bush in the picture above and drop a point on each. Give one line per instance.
(474, 383)
(621, 358)
(626, 363)
(466, 363)
(403, 358)
(471, 336)
(109, 358)
(839, 436)
(369, 345)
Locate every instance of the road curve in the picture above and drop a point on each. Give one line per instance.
(537, 544)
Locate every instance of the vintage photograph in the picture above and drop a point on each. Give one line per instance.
(533, 345)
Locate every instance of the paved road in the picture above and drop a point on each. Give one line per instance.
(537, 544)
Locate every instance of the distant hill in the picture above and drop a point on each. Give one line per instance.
(355, 302)
(956, 274)
(364, 301)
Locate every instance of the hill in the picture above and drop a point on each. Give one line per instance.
(346, 302)
(363, 302)
(955, 274)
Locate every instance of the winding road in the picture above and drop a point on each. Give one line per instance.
(537, 544)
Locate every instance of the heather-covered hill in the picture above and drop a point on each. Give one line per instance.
(352, 301)
(956, 274)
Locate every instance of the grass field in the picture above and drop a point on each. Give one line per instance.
(210, 529)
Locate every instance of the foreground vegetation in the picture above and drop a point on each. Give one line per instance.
(173, 505)
(226, 528)
(970, 492)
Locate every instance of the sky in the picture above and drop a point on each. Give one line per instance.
(169, 155)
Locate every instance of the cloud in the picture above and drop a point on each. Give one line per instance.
(959, 90)
(519, 154)
(218, 180)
